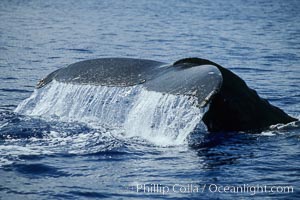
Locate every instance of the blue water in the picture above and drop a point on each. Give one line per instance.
(54, 159)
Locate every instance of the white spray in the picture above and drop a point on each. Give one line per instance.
(163, 119)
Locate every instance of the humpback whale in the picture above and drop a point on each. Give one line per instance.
(232, 105)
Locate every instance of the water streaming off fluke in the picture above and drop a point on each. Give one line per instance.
(163, 119)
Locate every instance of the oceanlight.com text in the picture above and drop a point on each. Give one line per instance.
(155, 188)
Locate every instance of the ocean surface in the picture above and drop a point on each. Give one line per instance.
(90, 142)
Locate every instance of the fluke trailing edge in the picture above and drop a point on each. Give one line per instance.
(233, 106)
